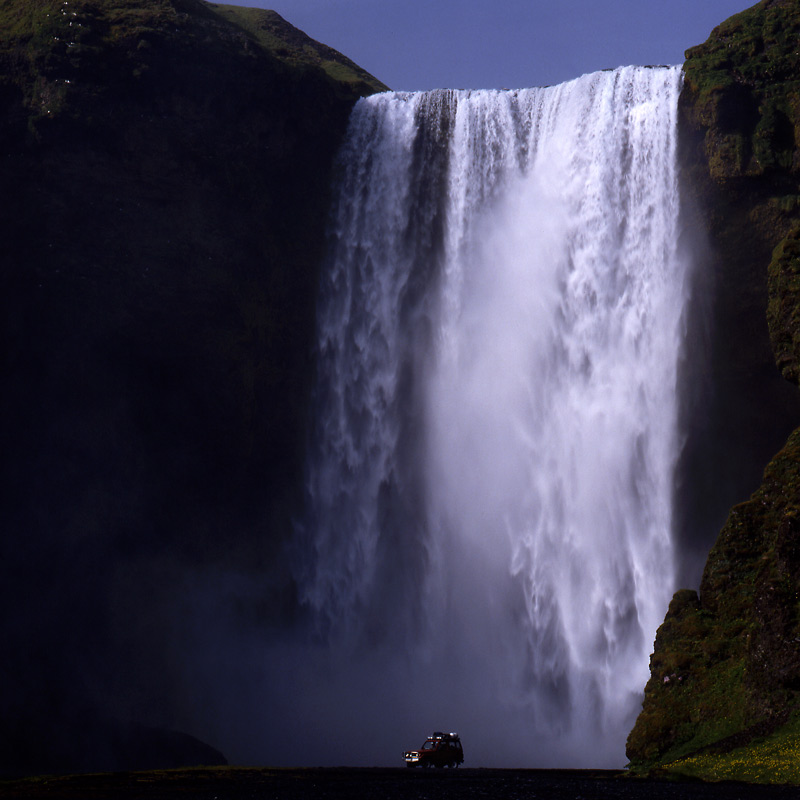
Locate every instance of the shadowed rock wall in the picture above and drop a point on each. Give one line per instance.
(164, 169)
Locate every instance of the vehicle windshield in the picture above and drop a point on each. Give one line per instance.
(429, 745)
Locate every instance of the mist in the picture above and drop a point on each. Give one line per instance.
(488, 537)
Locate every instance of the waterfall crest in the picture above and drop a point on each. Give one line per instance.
(491, 470)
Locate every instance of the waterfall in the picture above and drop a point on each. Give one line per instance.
(490, 474)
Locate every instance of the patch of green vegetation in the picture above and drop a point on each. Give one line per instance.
(695, 671)
(771, 759)
(17, 20)
(289, 44)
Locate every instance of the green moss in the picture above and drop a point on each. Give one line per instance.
(771, 759)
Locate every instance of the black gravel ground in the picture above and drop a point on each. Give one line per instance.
(379, 784)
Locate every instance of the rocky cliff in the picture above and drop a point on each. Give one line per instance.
(165, 173)
(722, 699)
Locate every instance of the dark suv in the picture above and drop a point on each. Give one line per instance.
(439, 750)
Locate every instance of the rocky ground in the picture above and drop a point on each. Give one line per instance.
(384, 783)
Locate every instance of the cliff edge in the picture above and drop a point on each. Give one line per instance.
(722, 699)
(165, 176)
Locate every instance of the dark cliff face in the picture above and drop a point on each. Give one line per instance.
(165, 172)
(740, 203)
(726, 665)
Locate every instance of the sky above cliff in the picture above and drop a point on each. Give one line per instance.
(427, 44)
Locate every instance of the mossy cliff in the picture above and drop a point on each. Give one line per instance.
(725, 673)
(164, 170)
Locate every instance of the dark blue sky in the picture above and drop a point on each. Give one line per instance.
(476, 44)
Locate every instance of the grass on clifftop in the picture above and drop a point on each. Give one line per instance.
(45, 45)
(291, 45)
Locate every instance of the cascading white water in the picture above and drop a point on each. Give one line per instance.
(490, 478)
